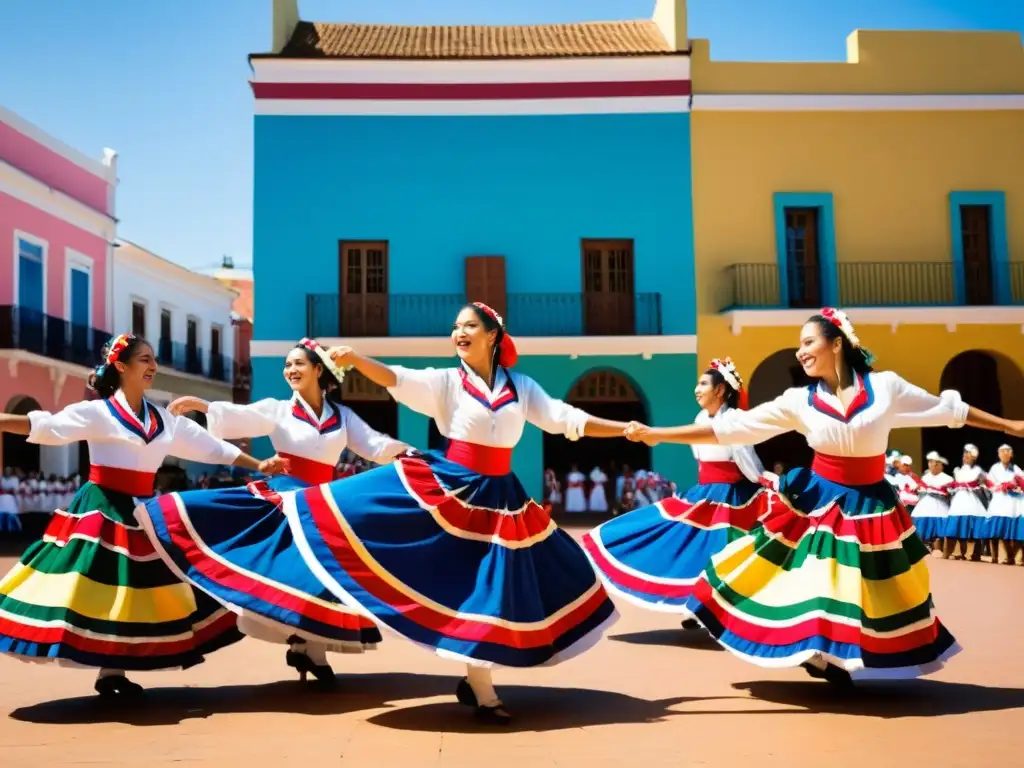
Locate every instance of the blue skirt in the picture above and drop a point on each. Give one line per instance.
(464, 564)
(236, 545)
(654, 555)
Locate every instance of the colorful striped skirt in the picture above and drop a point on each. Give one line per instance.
(92, 592)
(654, 555)
(462, 563)
(835, 572)
(236, 545)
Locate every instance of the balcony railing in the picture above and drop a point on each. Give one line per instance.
(872, 284)
(33, 331)
(527, 314)
(183, 357)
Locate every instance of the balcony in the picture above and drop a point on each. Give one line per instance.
(873, 284)
(527, 315)
(32, 331)
(186, 358)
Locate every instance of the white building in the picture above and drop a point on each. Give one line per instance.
(186, 316)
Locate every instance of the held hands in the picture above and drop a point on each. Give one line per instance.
(640, 433)
(275, 465)
(186, 404)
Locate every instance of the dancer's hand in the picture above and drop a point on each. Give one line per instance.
(1016, 429)
(341, 356)
(640, 433)
(187, 404)
(275, 465)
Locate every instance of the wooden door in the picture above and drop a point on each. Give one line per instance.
(364, 288)
(976, 241)
(803, 264)
(608, 301)
(485, 281)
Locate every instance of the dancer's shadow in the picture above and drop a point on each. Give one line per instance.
(536, 708)
(888, 700)
(671, 638)
(166, 706)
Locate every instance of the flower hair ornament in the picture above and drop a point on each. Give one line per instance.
(726, 368)
(115, 347)
(336, 370)
(839, 319)
(507, 353)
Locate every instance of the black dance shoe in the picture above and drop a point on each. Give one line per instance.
(118, 685)
(690, 624)
(832, 674)
(493, 715)
(325, 679)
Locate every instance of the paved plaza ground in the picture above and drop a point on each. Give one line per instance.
(648, 695)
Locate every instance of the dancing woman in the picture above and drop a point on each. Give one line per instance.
(238, 549)
(448, 550)
(835, 579)
(968, 509)
(654, 555)
(92, 592)
(932, 511)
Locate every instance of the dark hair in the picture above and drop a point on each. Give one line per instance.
(327, 382)
(854, 358)
(105, 379)
(732, 396)
(489, 324)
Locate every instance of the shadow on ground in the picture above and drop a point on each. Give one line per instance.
(697, 639)
(888, 700)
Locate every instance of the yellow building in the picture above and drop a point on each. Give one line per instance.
(891, 185)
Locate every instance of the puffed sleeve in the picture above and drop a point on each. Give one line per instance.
(78, 421)
(367, 442)
(749, 462)
(193, 443)
(424, 391)
(229, 421)
(549, 414)
(776, 417)
(916, 407)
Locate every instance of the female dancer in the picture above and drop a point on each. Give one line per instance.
(449, 551)
(218, 540)
(932, 511)
(92, 592)
(834, 579)
(967, 509)
(653, 556)
(1004, 511)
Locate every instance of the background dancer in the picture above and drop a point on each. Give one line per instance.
(835, 579)
(653, 556)
(968, 508)
(92, 592)
(1002, 525)
(221, 539)
(932, 511)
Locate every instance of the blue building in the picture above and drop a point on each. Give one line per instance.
(545, 170)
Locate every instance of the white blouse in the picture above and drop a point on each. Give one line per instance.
(465, 408)
(117, 438)
(883, 402)
(969, 474)
(938, 484)
(1000, 474)
(743, 456)
(293, 427)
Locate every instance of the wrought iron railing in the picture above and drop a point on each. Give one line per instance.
(34, 331)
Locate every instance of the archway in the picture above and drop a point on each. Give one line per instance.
(777, 373)
(608, 395)
(989, 381)
(372, 403)
(19, 453)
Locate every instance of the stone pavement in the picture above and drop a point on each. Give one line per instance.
(648, 695)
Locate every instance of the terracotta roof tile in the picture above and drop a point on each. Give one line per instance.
(312, 40)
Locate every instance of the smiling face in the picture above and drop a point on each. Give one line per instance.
(817, 354)
(709, 395)
(1006, 455)
(302, 375)
(935, 467)
(139, 370)
(473, 342)
(969, 459)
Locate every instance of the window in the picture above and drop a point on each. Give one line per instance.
(976, 242)
(78, 301)
(216, 358)
(139, 318)
(215, 332)
(803, 263)
(485, 281)
(980, 247)
(193, 363)
(166, 348)
(364, 288)
(608, 300)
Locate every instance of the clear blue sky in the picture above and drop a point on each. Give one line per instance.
(165, 83)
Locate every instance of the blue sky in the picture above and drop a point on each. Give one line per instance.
(166, 83)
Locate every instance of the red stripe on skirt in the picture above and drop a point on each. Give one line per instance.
(705, 514)
(95, 525)
(629, 580)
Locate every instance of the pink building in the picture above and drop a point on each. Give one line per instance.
(57, 230)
